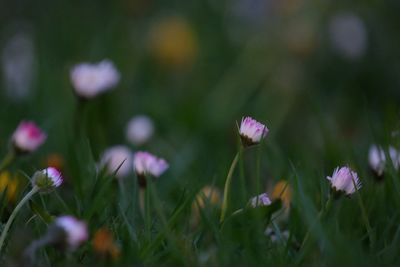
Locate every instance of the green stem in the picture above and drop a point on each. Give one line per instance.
(8, 159)
(34, 190)
(227, 187)
(147, 211)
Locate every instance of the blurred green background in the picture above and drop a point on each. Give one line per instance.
(323, 76)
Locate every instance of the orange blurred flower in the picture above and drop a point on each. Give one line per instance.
(9, 183)
(173, 43)
(104, 244)
(55, 160)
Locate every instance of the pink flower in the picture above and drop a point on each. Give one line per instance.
(260, 200)
(47, 179)
(76, 231)
(145, 163)
(28, 137)
(345, 180)
(252, 131)
(89, 80)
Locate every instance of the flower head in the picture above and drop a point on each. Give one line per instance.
(27, 137)
(260, 201)
(139, 129)
(394, 157)
(89, 80)
(117, 158)
(47, 179)
(251, 131)
(345, 180)
(75, 231)
(145, 163)
(377, 159)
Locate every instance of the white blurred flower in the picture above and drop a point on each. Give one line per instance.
(395, 157)
(76, 231)
(117, 157)
(345, 180)
(260, 200)
(139, 130)
(377, 159)
(348, 35)
(90, 80)
(18, 65)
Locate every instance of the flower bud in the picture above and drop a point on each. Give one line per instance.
(345, 180)
(48, 179)
(251, 131)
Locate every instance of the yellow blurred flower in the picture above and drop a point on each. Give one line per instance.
(173, 43)
(9, 183)
(104, 244)
(207, 196)
(283, 192)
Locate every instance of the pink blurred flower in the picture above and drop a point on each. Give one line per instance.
(345, 180)
(28, 137)
(252, 131)
(260, 200)
(145, 163)
(76, 231)
(89, 80)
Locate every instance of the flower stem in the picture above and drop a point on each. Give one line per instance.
(227, 187)
(7, 160)
(34, 190)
